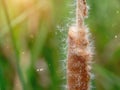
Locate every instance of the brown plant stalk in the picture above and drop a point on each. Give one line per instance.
(79, 52)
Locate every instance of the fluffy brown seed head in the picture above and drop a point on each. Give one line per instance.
(78, 57)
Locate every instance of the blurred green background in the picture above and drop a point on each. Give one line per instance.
(33, 43)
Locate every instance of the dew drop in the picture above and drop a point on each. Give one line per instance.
(117, 12)
(23, 52)
(116, 36)
(37, 70)
(41, 69)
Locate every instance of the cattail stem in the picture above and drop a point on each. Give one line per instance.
(81, 12)
(79, 56)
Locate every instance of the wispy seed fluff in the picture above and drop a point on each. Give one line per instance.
(79, 52)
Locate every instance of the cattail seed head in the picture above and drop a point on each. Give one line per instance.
(79, 52)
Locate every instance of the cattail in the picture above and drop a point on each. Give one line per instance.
(79, 52)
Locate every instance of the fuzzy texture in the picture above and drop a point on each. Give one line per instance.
(81, 12)
(79, 52)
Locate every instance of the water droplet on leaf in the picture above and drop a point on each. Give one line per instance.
(116, 36)
(117, 12)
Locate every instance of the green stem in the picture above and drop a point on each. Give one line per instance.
(38, 44)
(14, 45)
(2, 81)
